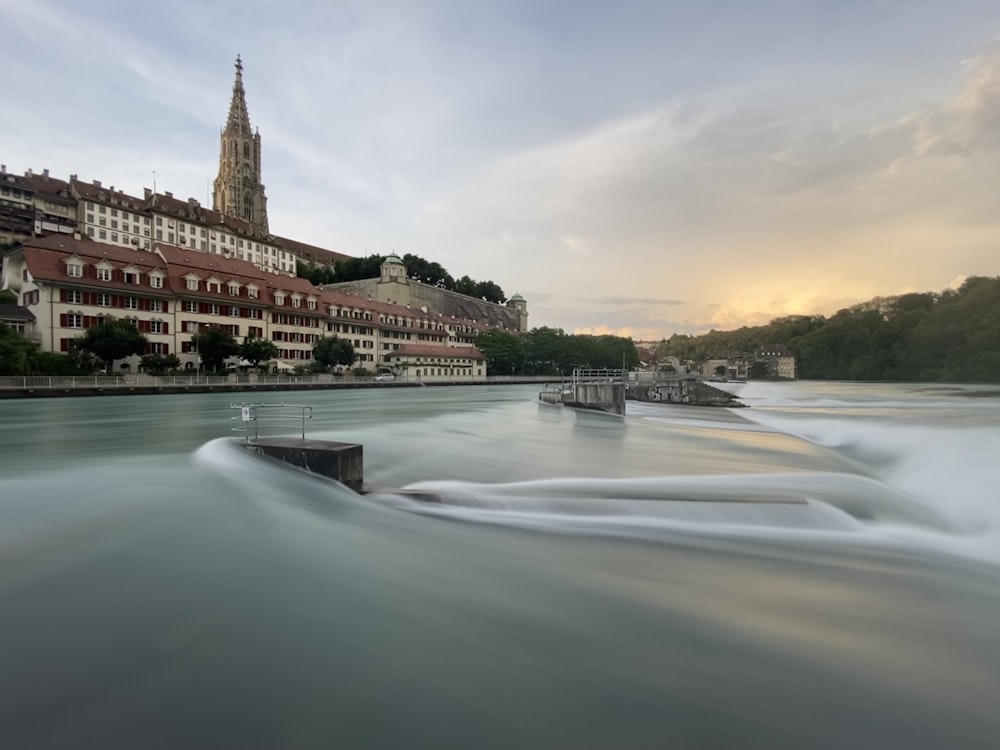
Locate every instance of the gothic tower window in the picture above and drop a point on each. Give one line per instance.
(246, 150)
(247, 206)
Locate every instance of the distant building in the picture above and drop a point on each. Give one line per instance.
(238, 189)
(19, 319)
(779, 360)
(395, 287)
(66, 285)
(173, 266)
(236, 226)
(33, 205)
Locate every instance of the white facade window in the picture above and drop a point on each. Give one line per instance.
(234, 312)
(104, 274)
(156, 326)
(73, 320)
(155, 305)
(311, 304)
(74, 269)
(131, 303)
(192, 285)
(131, 278)
(191, 307)
(104, 300)
(234, 290)
(213, 309)
(156, 282)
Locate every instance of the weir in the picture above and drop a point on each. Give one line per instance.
(599, 390)
(343, 462)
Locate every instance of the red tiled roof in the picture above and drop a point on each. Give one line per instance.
(310, 252)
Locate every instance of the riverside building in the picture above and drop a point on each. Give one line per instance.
(173, 267)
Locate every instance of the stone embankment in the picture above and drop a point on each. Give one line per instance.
(43, 386)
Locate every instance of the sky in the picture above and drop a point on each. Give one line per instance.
(634, 167)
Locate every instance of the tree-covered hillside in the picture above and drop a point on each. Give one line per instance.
(949, 336)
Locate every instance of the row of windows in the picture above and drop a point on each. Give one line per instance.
(80, 321)
(152, 347)
(104, 273)
(193, 284)
(101, 209)
(213, 308)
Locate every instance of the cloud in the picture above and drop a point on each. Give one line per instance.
(652, 301)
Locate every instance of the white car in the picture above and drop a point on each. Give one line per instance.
(384, 377)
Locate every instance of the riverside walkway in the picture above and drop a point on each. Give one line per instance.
(40, 386)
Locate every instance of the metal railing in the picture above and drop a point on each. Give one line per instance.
(581, 375)
(59, 382)
(249, 417)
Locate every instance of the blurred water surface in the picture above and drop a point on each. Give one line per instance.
(820, 570)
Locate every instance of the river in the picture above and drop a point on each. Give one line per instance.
(821, 570)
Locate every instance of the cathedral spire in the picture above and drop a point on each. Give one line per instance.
(238, 188)
(239, 118)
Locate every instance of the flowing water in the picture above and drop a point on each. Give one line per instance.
(821, 570)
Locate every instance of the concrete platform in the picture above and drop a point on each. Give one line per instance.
(341, 461)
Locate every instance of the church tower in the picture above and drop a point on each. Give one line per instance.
(238, 190)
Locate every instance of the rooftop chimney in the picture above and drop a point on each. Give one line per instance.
(3, 169)
(168, 194)
(147, 193)
(97, 183)
(45, 174)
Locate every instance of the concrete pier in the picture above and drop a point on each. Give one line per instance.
(599, 390)
(341, 461)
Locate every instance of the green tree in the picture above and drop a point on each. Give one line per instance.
(256, 350)
(330, 351)
(504, 352)
(7, 297)
(16, 352)
(111, 340)
(214, 345)
(55, 363)
(758, 370)
(158, 364)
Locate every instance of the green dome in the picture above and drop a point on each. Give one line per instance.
(393, 259)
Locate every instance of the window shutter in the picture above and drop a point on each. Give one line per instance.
(143, 304)
(63, 319)
(63, 295)
(166, 306)
(64, 345)
(166, 347)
